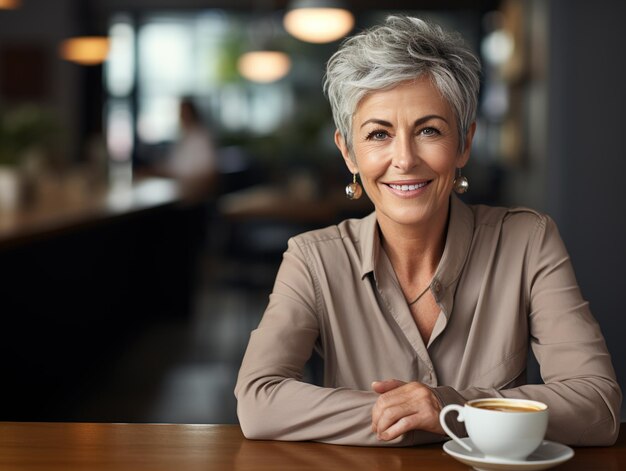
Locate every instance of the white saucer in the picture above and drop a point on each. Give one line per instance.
(548, 454)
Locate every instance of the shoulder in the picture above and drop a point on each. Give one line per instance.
(347, 231)
(510, 219)
(317, 237)
(342, 238)
(513, 227)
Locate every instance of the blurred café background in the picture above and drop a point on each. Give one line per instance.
(128, 293)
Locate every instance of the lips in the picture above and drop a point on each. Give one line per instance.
(409, 186)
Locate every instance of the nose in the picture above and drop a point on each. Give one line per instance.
(406, 155)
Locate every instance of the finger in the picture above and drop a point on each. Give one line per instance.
(425, 418)
(399, 428)
(411, 400)
(391, 415)
(392, 392)
(394, 405)
(387, 385)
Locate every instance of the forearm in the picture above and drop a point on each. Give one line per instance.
(275, 408)
(583, 411)
(286, 409)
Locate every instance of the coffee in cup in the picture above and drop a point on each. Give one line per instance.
(500, 428)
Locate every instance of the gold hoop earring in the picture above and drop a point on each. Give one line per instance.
(461, 183)
(354, 190)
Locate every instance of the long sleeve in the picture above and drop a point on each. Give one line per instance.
(505, 282)
(273, 401)
(580, 387)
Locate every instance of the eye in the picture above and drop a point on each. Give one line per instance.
(378, 135)
(430, 131)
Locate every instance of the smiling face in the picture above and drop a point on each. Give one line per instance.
(406, 150)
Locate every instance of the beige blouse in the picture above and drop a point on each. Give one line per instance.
(504, 282)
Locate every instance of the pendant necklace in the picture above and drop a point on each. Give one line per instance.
(419, 296)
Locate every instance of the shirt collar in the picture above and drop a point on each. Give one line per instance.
(458, 240)
(369, 238)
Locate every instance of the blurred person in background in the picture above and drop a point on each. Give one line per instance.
(192, 160)
(427, 301)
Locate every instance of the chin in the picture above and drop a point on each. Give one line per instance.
(407, 216)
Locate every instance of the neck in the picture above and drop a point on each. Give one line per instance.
(415, 250)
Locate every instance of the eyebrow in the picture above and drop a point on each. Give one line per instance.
(417, 122)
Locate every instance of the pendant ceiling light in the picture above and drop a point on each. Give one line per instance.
(9, 4)
(264, 62)
(264, 66)
(85, 50)
(318, 21)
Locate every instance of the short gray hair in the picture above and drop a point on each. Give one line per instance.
(403, 48)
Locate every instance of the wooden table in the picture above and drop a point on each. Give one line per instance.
(88, 446)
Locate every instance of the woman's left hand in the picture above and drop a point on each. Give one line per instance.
(402, 407)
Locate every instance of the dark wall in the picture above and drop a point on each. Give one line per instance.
(73, 300)
(587, 155)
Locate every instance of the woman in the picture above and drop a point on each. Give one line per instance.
(427, 301)
(192, 159)
(193, 156)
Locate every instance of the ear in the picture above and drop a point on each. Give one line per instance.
(345, 153)
(469, 137)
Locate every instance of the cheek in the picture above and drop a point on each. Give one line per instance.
(373, 154)
(443, 159)
(371, 161)
(371, 170)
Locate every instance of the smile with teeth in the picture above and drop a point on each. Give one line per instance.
(416, 186)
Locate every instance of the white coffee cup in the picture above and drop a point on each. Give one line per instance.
(500, 428)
